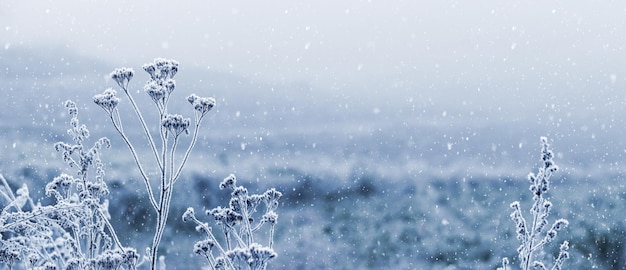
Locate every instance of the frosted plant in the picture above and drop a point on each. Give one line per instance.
(240, 250)
(73, 233)
(170, 127)
(534, 235)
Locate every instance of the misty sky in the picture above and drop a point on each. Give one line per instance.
(466, 53)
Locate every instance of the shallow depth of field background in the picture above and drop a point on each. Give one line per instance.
(398, 132)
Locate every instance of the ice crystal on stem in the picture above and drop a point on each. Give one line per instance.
(75, 231)
(122, 77)
(159, 88)
(533, 236)
(240, 250)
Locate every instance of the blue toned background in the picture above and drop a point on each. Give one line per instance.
(398, 131)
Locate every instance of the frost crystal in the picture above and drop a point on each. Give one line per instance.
(159, 88)
(533, 236)
(240, 251)
(122, 77)
(74, 232)
(201, 104)
(107, 100)
(175, 124)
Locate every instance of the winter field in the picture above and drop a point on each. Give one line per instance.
(366, 184)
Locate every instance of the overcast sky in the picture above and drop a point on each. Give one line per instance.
(472, 52)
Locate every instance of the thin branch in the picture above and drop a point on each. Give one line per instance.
(111, 230)
(145, 127)
(217, 243)
(191, 146)
(6, 184)
(136, 158)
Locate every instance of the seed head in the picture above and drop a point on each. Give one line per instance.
(201, 104)
(176, 124)
(108, 100)
(189, 214)
(122, 77)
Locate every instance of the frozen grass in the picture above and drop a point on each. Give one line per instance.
(534, 234)
(75, 232)
(241, 248)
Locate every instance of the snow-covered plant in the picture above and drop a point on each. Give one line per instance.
(534, 235)
(241, 249)
(74, 232)
(170, 127)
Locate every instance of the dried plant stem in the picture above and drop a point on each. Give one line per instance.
(534, 238)
(170, 126)
(144, 176)
(145, 127)
(194, 138)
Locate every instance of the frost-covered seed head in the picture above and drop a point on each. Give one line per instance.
(553, 168)
(270, 217)
(235, 204)
(73, 264)
(77, 131)
(50, 266)
(59, 184)
(239, 256)
(130, 257)
(97, 189)
(560, 224)
(102, 142)
(539, 265)
(160, 63)
(122, 77)
(108, 100)
(271, 198)
(150, 68)
(109, 259)
(255, 199)
(240, 192)
(189, 214)
(225, 216)
(229, 182)
(154, 90)
(170, 85)
(220, 263)
(32, 258)
(272, 194)
(201, 104)
(71, 107)
(175, 124)
(192, 98)
(203, 247)
(547, 206)
(8, 255)
(260, 255)
(564, 246)
(162, 69)
(515, 205)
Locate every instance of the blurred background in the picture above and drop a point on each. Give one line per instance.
(399, 131)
